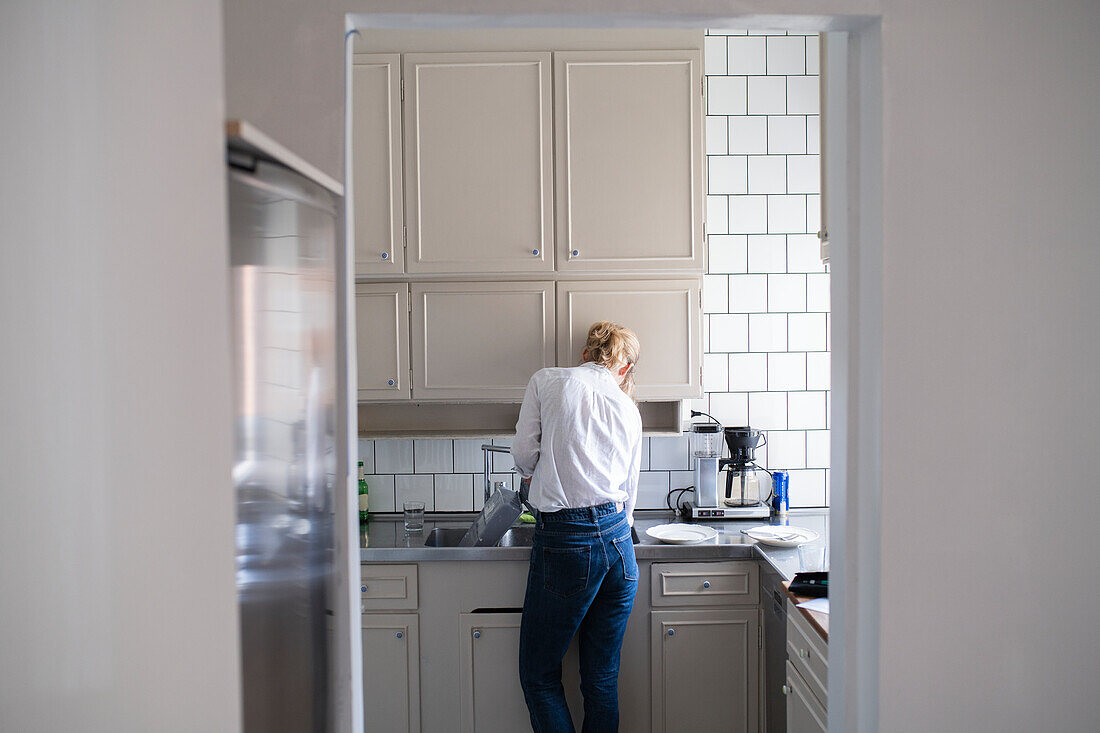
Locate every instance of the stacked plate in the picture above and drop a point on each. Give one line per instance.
(780, 536)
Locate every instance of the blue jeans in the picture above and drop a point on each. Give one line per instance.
(582, 582)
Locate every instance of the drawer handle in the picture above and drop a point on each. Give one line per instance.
(786, 690)
(803, 653)
(477, 634)
(706, 583)
(400, 635)
(671, 632)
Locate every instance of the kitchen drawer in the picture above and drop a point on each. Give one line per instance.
(726, 583)
(388, 587)
(808, 652)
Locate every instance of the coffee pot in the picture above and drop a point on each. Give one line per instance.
(746, 483)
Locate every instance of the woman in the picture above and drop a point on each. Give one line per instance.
(578, 441)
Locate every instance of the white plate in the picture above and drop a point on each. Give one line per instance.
(681, 534)
(780, 536)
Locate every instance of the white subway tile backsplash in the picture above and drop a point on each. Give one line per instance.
(717, 135)
(768, 410)
(714, 55)
(767, 174)
(806, 331)
(786, 134)
(787, 214)
(748, 293)
(366, 455)
(726, 31)
(803, 174)
(668, 454)
(817, 292)
(718, 218)
(802, 95)
(804, 253)
(806, 410)
(716, 377)
(652, 490)
(380, 490)
(454, 492)
(433, 456)
(817, 449)
(767, 253)
(786, 449)
(468, 456)
(393, 456)
(645, 451)
(806, 487)
(715, 294)
(786, 293)
(681, 479)
(503, 462)
(786, 371)
(727, 95)
(786, 55)
(747, 55)
(727, 253)
(817, 370)
(748, 135)
(748, 372)
(729, 332)
(813, 135)
(415, 488)
(813, 213)
(727, 174)
(767, 332)
(730, 408)
(767, 95)
(813, 51)
(748, 214)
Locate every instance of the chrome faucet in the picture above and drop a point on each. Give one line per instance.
(486, 449)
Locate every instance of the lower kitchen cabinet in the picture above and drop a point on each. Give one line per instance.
(804, 713)
(492, 699)
(705, 670)
(391, 672)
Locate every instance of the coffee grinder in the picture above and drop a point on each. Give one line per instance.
(748, 487)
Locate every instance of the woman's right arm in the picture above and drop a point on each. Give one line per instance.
(525, 447)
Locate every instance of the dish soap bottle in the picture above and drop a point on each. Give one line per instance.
(364, 497)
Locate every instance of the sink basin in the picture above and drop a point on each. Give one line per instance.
(519, 536)
(445, 536)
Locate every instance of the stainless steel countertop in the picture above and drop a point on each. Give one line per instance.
(384, 540)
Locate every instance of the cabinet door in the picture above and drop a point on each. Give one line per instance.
(391, 672)
(705, 670)
(382, 341)
(480, 340)
(376, 171)
(804, 712)
(628, 151)
(492, 699)
(664, 313)
(478, 166)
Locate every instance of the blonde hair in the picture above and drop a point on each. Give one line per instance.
(611, 345)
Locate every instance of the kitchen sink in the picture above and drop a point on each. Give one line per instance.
(519, 536)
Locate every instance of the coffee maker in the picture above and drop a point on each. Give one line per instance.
(748, 487)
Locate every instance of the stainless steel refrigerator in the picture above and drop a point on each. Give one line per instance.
(284, 299)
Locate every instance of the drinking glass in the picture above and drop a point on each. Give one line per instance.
(414, 516)
(811, 558)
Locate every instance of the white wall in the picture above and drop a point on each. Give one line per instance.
(990, 301)
(117, 594)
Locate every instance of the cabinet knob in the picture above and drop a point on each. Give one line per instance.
(786, 690)
(576, 253)
(803, 653)
(391, 382)
(671, 632)
(535, 252)
(477, 633)
(400, 635)
(385, 255)
(363, 588)
(706, 583)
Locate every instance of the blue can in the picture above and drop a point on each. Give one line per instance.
(780, 497)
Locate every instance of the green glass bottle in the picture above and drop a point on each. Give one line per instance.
(364, 498)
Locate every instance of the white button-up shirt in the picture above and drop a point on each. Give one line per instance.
(580, 439)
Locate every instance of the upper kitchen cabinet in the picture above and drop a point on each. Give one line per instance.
(663, 313)
(382, 340)
(479, 177)
(376, 174)
(629, 159)
(480, 340)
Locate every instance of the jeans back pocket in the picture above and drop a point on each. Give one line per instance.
(566, 569)
(625, 547)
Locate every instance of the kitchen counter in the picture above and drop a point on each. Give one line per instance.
(385, 540)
